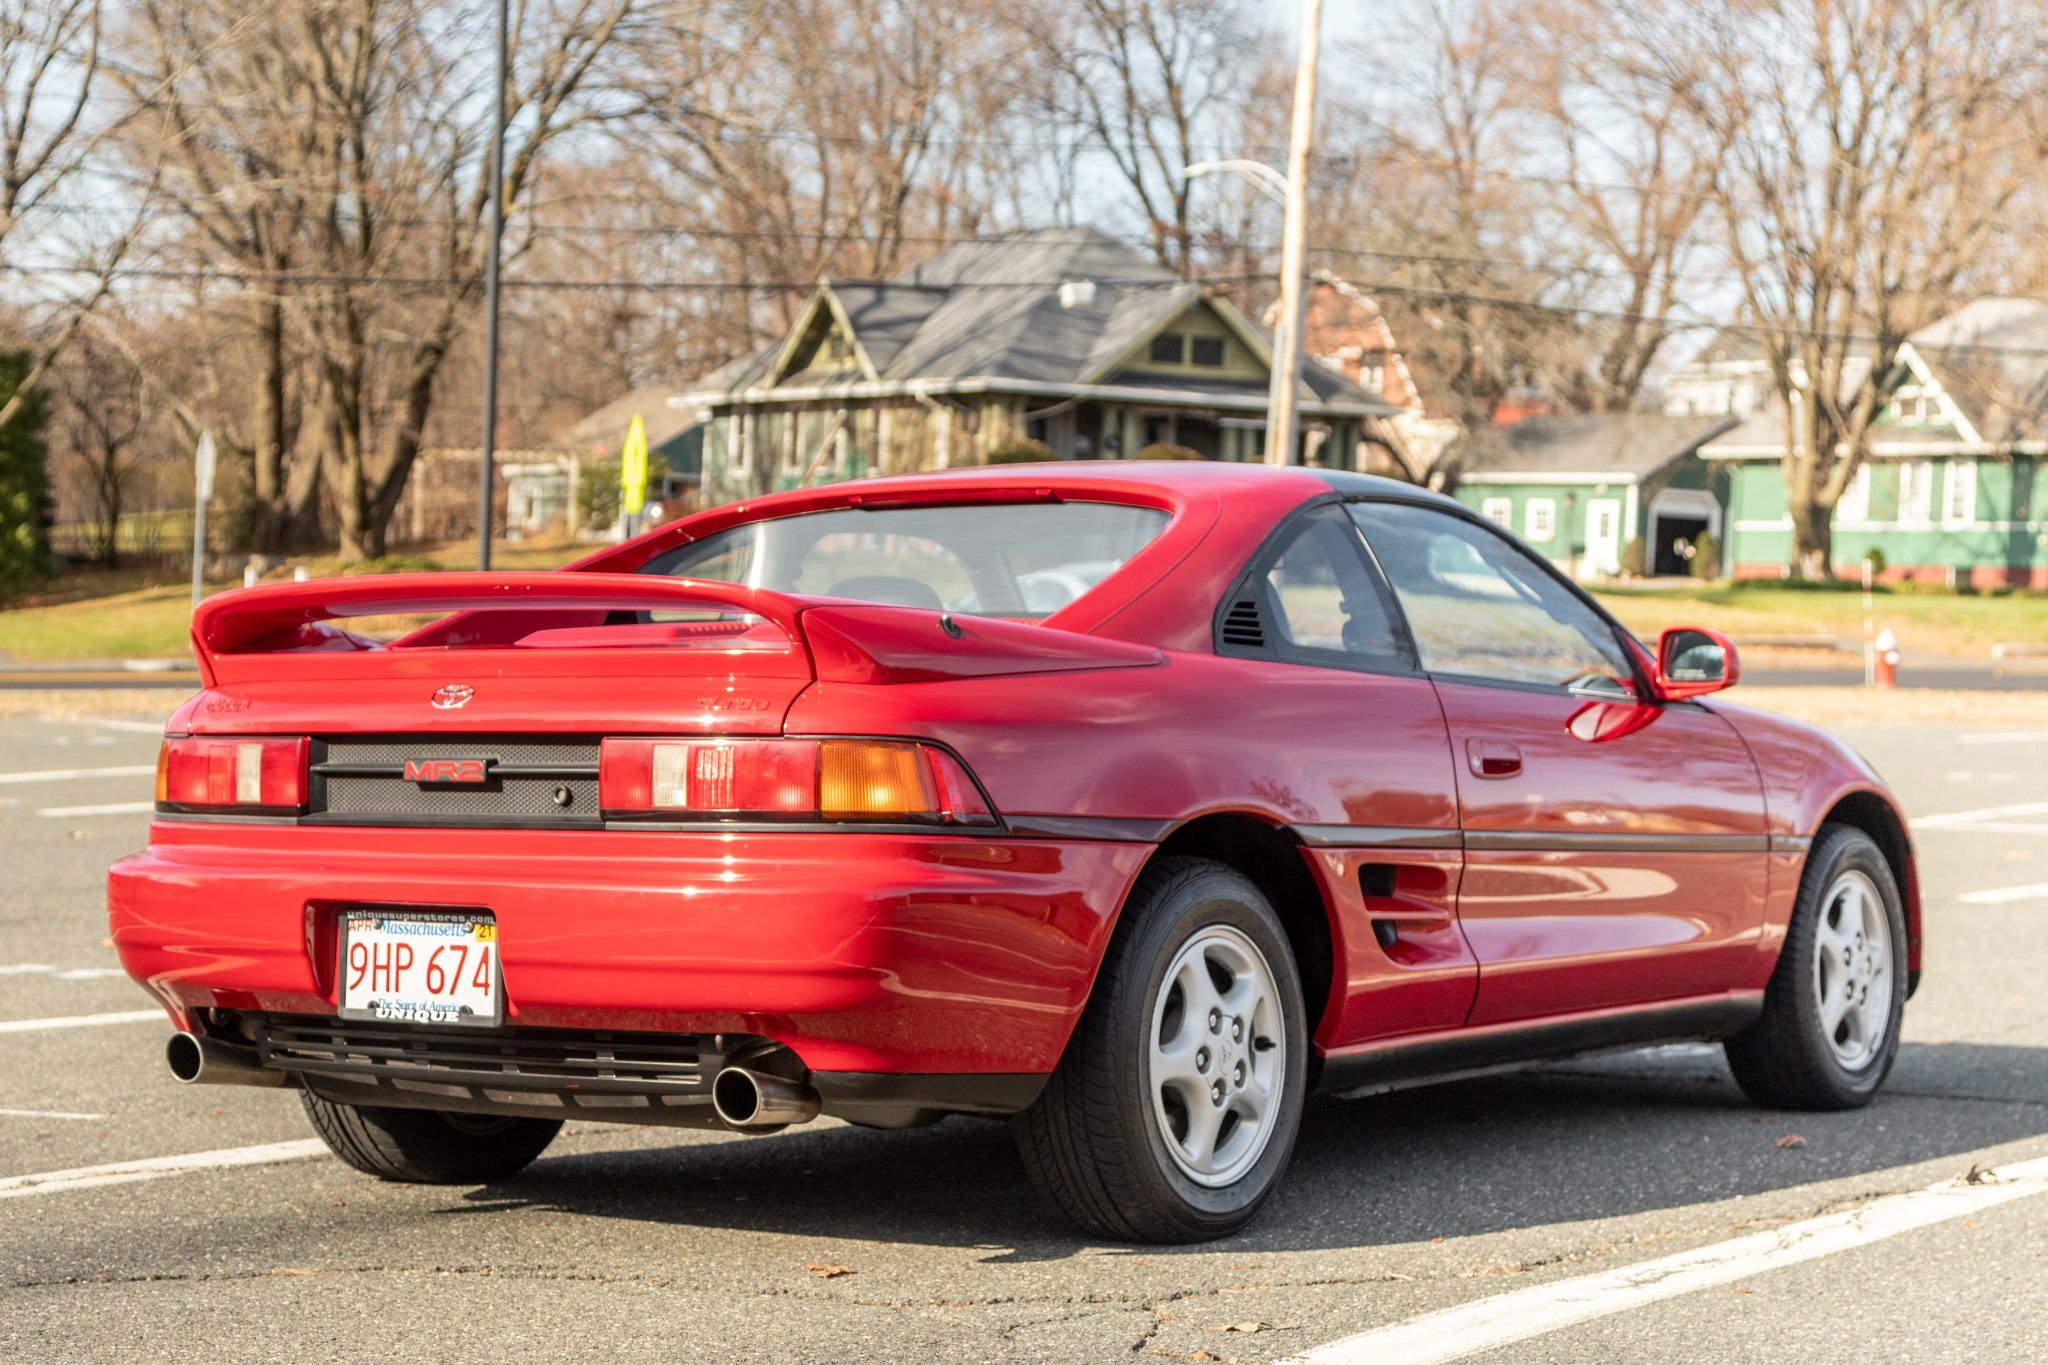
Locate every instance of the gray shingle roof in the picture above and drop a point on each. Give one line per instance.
(1626, 444)
(604, 430)
(990, 309)
(1991, 358)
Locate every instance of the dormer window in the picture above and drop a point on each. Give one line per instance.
(1169, 348)
(1205, 351)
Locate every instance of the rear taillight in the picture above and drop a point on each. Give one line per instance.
(833, 779)
(232, 774)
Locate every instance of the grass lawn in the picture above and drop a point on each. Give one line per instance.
(129, 614)
(1925, 622)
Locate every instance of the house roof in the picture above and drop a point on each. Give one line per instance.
(1627, 445)
(990, 310)
(1991, 359)
(604, 431)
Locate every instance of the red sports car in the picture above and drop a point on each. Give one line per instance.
(1138, 802)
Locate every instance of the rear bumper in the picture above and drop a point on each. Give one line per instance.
(865, 953)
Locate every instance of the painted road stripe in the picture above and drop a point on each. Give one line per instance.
(133, 727)
(80, 1021)
(1505, 1319)
(49, 1114)
(117, 808)
(60, 973)
(2006, 895)
(2009, 737)
(78, 774)
(155, 1167)
(1973, 817)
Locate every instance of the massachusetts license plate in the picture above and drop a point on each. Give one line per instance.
(421, 969)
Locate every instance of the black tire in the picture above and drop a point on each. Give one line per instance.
(425, 1146)
(1092, 1142)
(1784, 1060)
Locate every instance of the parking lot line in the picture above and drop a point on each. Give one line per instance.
(156, 1167)
(50, 1114)
(79, 1021)
(1950, 819)
(2006, 895)
(77, 774)
(1503, 1319)
(117, 808)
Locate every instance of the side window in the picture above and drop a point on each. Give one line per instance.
(1314, 599)
(1478, 607)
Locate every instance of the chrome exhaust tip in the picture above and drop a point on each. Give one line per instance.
(195, 1060)
(755, 1102)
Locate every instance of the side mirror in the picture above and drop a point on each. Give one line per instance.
(1692, 662)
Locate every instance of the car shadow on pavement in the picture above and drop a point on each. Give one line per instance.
(1597, 1138)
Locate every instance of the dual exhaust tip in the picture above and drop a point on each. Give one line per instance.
(745, 1100)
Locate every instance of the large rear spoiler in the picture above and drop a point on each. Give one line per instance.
(842, 641)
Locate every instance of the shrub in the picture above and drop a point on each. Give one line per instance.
(1019, 451)
(1159, 450)
(1706, 559)
(1634, 558)
(24, 486)
(1875, 559)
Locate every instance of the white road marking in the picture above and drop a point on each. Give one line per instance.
(1985, 829)
(156, 1167)
(79, 774)
(50, 1114)
(118, 808)
(61, 973)
(2006, 895)
(80, 1021)
(2010, 737)
(1951, 819)
(134, 727)
(1504, 1319)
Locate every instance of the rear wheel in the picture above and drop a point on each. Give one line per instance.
(425, 1146)
(1830, 1026)
(1174, 1111)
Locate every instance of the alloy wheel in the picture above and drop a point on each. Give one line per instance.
(1218, 1056)
(1852, 970)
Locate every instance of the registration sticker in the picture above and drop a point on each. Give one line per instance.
(420, 968)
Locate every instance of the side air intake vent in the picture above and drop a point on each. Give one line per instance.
(1242, 626)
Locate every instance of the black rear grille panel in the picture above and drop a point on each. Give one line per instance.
(528, 782)
(674, 1065)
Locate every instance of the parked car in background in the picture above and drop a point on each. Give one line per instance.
(1137, 802)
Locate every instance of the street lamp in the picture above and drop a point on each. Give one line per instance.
(1291, 191)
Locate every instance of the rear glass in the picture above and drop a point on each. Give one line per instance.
(1014, 559)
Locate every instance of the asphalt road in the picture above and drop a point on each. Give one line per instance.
(836, 1243)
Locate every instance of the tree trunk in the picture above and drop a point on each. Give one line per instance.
(1813, 537)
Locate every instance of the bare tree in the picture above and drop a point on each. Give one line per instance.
(1868, 151)
(332, 155)
(1154, 86)
(49, 66)
(100, 414)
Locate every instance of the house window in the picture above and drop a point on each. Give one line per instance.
(1959, 494)
(1158, 428)
(1205, 351)
(1855, 503)
(1914, 406)
(1499, 511)
(1168, 348)
(1539, 519)
(1916, 492)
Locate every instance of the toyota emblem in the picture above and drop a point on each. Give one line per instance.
(452, 696)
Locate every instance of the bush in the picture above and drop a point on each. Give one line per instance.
(1019, 451)
(1158, 450)
(1634, 558)
(1875, 559)
(1706, 558)
(24, 486)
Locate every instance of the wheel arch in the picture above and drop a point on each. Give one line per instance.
(1271, 856)
(1870, 812)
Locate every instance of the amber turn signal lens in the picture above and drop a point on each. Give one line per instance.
(867, 778)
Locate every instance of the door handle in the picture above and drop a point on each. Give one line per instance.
(1493, 757)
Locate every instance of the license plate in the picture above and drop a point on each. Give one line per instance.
(420, 969)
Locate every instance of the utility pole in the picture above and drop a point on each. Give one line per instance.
(497, 235)
(204, 460)
(1281, 423)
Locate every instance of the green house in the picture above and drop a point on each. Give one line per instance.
(1953, 489)
(1579, 489)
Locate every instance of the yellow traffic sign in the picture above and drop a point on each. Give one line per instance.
(633, 469)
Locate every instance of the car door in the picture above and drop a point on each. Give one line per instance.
(1349, 714)
(1615, 849)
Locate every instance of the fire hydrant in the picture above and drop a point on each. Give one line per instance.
(1884, 662)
